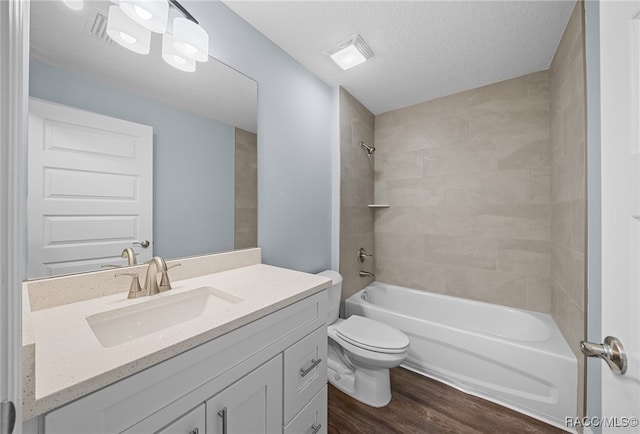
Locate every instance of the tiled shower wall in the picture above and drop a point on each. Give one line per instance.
(246, 189)
(468, 180)
(356, 192)
(568, 186)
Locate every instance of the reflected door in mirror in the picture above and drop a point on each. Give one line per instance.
(90, 189)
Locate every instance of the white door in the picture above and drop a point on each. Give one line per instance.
(620, 164)
(90, 192)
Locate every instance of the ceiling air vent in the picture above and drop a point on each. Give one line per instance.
(96, 25)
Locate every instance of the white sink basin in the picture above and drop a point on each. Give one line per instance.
(121, 325)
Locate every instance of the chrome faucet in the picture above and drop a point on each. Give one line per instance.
(130, 255)
(158, 265)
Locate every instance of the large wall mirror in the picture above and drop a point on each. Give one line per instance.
(204, 157)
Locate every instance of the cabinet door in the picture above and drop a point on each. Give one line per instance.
(191, 423)
(251, 405)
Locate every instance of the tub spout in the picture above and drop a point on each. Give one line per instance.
(367, 274)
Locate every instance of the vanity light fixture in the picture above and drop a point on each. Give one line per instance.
(173, 57)
(150, 14)
(190, 39)
(350, 52)
(124, 31)
(131, 22)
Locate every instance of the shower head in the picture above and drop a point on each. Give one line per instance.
(370, 149)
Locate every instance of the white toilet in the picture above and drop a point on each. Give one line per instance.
(361, 351)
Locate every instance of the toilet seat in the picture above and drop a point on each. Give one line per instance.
(372, 335)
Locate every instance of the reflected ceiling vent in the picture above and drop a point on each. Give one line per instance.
(96, 25)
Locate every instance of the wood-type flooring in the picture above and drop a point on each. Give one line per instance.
(422, 405)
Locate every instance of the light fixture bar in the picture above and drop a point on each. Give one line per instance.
(184, 11)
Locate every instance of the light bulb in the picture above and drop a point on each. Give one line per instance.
(179, 60)
(76, 5)
(190, 49)
(150, 14)
(127, 38)
(191, 40)
(173, 57)
(127, 33)
(142, 13)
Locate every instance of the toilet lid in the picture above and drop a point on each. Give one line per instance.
(372, 335)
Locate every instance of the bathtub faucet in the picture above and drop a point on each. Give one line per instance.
(367, 274)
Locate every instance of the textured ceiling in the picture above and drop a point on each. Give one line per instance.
(423, 49)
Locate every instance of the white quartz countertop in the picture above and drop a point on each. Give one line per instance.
(71, 362)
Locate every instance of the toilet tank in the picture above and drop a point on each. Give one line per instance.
(335, 290)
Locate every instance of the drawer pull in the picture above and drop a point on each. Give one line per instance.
(196, 431)
(315, 428)
(223, 414)
(314, 363)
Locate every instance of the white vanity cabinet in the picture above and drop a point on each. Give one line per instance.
(249, 380)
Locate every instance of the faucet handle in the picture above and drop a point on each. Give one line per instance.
(165, 283)
(362, 254)
(134, 290)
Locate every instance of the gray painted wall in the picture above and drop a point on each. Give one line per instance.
(193, 160)
(294, 140)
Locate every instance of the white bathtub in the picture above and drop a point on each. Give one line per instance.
(514, 357)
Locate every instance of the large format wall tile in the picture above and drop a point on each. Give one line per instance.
(468, 177)
(448, 161)
(568, 187)
(540, 185)
(460, 251)
(246, 189)
(518, 221)
(491, 188)
(424, 191)
(356, 192)
(529, 257)
(490, 286)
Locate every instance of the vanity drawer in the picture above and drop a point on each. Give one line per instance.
(191, 423)
(305, 371)
(312, 419)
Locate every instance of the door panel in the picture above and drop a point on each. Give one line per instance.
(620, 164)
(90, 192)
